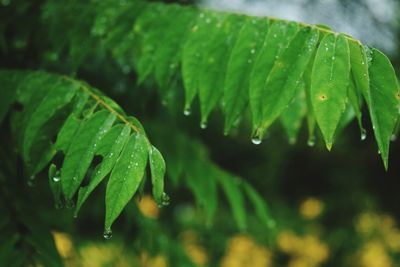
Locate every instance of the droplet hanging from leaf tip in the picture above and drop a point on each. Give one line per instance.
(363, 134)
(311, 141)
(203, 125)
(257, 137)
(187, 111)
(31, 181)
(107, 234)
(165, 200)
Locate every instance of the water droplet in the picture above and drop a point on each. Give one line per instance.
(363, 134)
(203, 125)
(252, 51)
(56, 178)
(257, 137)
(187, 112)
(311, 141)
(74, 178)
(393, 138)
(379, 152)
(107, 234)
(69, 204)
(31, 181)
(165, 200)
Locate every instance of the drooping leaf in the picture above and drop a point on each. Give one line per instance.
(241, 60)
(383, 99)
(278, 37)
(81, 151)
(329, 83)
(285, 76)
(292, 117)
(109, 147)
(232, 190)
(212, 72)
(126, 177)
(157, 167)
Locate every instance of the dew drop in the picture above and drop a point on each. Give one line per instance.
(56, 178)
(311, 141)
(252, 51)
(393, 138)
(257, 137)
(203, 125)
(187, 112)
(107, 234)
(379, 152)
(31, 181)
(363, 134)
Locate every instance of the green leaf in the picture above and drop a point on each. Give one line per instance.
(292, 117)
(286, 75)
(192, 55)
(259, 205)
(149, 29)
(329, 83)
(109, 147)
(126, 177)
(81, 151)
(383, 101)
(278, 37)
(355, 100)
(56, 98)
(8, 89)
(231, 187)
(157, 167)
(241, 60)
(212, 72)
(168, 58)
(55, 185)
(200, 179)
